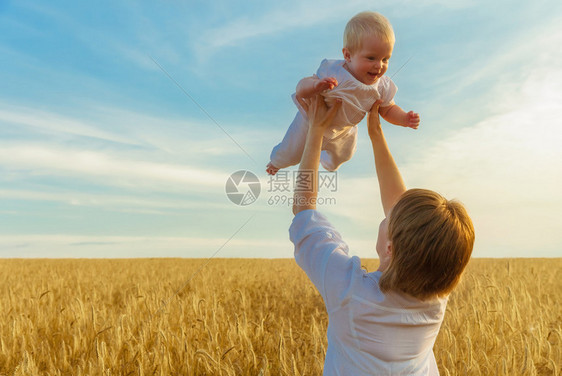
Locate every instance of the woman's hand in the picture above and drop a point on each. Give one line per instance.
(374, 121)
(320, 117)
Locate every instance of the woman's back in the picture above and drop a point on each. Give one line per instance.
(392, 332)
(369, 332)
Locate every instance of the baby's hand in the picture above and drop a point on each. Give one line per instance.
(310, 87)
(412, 120)
(327, 83)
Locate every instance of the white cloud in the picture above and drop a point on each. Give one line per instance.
(508, 171)
(181, 137)
(160, 205)
(56, 124)
(358, 201)
(302, 14)
(107, 169)
(524, 52)
(299, 15)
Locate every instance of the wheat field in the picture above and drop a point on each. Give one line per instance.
(250, 317)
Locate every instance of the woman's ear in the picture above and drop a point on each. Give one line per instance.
(389, 248)
(385, 257)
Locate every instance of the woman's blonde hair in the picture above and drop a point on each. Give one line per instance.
(432, 240)
(366, 24)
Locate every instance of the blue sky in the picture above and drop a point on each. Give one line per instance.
(102, 154)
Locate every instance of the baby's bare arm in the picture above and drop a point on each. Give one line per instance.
(394, 114)
(307, 86)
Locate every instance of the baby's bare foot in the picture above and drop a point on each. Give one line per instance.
(271, 169)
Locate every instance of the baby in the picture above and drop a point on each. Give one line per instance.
(358, 81)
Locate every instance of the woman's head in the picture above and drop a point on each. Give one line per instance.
(431, 240)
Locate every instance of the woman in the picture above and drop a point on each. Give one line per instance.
(385, 322)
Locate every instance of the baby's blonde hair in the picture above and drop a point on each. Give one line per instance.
(432, 240)
(366, 24)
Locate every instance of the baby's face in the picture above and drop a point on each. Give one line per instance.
(370, 62)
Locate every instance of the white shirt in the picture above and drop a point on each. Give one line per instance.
(369, 333)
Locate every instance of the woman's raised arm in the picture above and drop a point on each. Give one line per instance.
(320, 118)
(390, 180)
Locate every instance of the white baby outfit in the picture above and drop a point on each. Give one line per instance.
(340, 140)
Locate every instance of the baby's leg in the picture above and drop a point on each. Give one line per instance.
(289, 151)
(339, 150)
